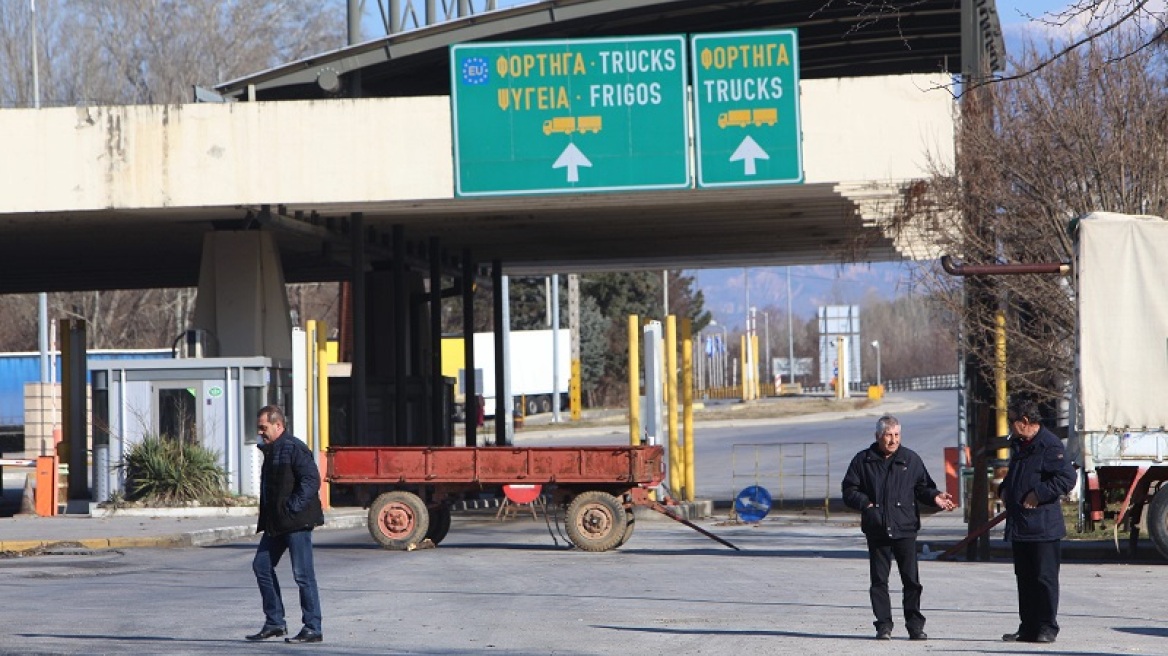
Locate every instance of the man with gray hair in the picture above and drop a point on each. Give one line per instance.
(886, 482)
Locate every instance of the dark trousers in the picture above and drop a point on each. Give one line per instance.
(267, 556)
(1036, 566)
(881, 551)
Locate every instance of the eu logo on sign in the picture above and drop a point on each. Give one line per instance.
(475, 71)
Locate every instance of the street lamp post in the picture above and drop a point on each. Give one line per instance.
(876, 345)
(719, 357)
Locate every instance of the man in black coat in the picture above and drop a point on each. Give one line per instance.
(289, 509)
(886, 482)
(1040, 475)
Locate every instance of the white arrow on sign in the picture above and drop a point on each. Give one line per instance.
(748, 151)
(573, 159)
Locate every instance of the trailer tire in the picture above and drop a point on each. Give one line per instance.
(439, 523)
(545, 404)
(532, 406)
(398, 520)
(596, 521)
(631, 523)
(1158, 520)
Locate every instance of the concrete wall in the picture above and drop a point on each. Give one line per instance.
(376, 149)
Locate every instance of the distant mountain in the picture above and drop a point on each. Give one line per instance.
(811, 287)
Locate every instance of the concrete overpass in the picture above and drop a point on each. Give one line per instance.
(354, 181)
(120, 197)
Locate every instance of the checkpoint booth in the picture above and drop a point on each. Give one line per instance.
(212, 401)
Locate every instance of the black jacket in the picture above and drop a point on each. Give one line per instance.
(289, 487)
(1040, 465)
(894, 485)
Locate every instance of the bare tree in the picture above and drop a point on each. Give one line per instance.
(1086, 132)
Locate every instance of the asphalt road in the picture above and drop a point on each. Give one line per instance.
(506, 588)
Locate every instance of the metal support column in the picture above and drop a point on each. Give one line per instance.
(359, 391)
(469, 392)
(401, 338)
(437, 386)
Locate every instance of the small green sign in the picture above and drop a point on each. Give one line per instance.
(571, 115)
(746, 107)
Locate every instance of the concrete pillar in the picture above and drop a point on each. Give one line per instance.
(242, 301)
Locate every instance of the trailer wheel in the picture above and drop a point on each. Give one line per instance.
(596, 521)
(398, 520)
(532, 406)
(630, 524)
(1158, 520)
(439, 523)
(545, 404)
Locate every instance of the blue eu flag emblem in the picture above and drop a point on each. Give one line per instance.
(475, 71)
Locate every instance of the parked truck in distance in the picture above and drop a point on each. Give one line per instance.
(532, 382)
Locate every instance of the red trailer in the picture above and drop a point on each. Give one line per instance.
(598, 484)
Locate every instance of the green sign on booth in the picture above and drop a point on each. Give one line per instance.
(575, 115)
(746, 108)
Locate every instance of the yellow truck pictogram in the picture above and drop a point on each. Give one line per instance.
(744, 117)
(570, 124)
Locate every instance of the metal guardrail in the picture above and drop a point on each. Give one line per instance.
(787, 471)
(913, 384)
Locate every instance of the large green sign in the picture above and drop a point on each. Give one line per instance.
(567, 116)
(746, 108)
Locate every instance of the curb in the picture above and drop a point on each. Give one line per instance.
(200, 538)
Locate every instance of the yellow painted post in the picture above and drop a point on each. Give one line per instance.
(308, 433)
(687, 397)
(634, 380)
(676, 459)
(745, 387)
(1000, 379)
(575, 402)
(322, 409)
(755, 370)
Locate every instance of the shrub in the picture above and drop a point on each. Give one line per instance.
(169, 472)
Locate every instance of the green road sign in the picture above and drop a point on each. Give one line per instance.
(746, 107)
(573, 115)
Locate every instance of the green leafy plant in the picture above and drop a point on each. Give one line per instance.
(169, 472)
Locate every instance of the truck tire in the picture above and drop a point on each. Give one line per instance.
(545, 404)
(398, 520)
(532, 406)
(596, 521)
(1158, 520)
(439, 523)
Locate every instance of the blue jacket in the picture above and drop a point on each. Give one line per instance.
(895, 485)
(289, 487)
(1041, 466)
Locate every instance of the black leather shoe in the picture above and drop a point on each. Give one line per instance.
(1043, 637)
(884, 634)
(306, 635)
(918, 635)
(1016, 637)
(268, 632)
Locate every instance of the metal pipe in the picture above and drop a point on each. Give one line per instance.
(958, 269)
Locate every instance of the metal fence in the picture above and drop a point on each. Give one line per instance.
(796, 474)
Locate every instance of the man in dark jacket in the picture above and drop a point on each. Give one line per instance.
(1039, 475)
(886, 482)
(289, 510)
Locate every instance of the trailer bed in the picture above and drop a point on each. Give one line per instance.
(628, 465)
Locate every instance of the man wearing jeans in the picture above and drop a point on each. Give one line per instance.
(289, 510)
